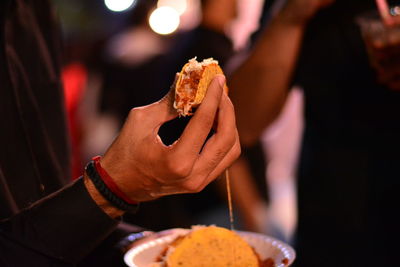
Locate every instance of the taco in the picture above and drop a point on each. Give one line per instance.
(208, 246)
(192, 84)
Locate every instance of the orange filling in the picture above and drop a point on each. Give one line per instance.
(188, 88)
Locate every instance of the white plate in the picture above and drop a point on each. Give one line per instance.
(266, 247)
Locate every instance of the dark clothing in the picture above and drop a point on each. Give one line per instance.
(349, 173)
(34, 162)
(61, 229)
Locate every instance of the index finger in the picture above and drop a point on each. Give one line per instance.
(198, 128)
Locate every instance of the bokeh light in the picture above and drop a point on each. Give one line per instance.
(118, 5)
(179, 5)
(164, 20)
(395, 11)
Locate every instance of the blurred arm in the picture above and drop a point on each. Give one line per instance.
(249, 202)
(259, 86)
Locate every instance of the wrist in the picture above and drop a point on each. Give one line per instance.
(108, 189)
(109, 181)
(103, 203)
(131, 180)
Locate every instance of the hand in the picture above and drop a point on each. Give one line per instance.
(301, 11)
(144, 168)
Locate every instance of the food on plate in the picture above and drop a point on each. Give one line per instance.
(193, 82)
(210, 246)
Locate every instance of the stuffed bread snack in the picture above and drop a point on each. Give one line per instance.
(209, 246)
(192, 84)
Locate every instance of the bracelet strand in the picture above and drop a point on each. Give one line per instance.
(106, 192)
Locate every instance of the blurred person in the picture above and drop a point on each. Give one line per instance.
(348, 167)
(44, 220)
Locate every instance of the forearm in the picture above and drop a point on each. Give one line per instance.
(260, 85)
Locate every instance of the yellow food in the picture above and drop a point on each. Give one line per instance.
(211, 246)
(193, 82)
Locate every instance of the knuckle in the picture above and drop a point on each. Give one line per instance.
(192, 186)
(237, 150)
(136, 114)
(218, 156)
(182, 171)
(229, 104)
(207, 119)
(179, 168)
(198, 189)
(227, 142)
(230, 139)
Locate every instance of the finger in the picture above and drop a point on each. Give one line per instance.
(225, 163)
(201, 180)
(213, 152)
(198, 128)
(218, 146)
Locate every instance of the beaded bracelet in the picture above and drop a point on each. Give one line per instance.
(107, 188)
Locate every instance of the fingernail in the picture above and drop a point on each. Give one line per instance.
(221, 80)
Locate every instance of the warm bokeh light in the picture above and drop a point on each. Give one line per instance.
(118, 5)
(164, 20)
(192, 15)
(179, 5)
(395, 11)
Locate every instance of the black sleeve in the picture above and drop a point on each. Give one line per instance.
(61, 228)
(66, 225)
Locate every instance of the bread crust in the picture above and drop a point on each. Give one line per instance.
(212, 246)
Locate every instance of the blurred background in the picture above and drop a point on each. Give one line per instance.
(121, 54)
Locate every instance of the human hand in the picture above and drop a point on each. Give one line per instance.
(301, 11)
(145, 169)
